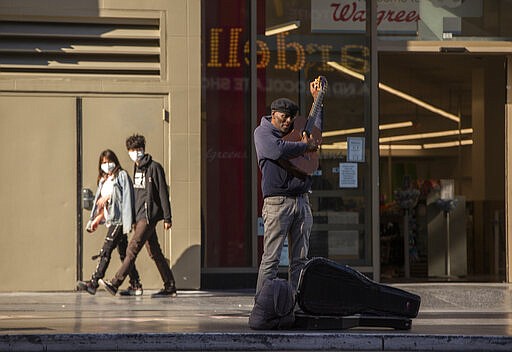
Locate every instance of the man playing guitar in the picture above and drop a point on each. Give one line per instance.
(286, 209)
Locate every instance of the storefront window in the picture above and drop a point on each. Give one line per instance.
(464, 19)
(422, 19)
(226, 146)
(441, 139)
(341, 229)
(442, 173)
(286, 62)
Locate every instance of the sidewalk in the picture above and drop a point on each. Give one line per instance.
(453, 317)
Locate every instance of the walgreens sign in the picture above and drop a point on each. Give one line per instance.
(393, 16)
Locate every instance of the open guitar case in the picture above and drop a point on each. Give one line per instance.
(334, 296)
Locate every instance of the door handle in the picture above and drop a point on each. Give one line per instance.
(87, 199)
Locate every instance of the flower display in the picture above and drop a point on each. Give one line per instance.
(446, 204)
(407, 198)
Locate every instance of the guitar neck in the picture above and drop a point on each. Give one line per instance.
(313, 113)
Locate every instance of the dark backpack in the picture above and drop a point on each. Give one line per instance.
(273, 306)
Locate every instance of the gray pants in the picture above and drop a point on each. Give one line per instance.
(285, 217)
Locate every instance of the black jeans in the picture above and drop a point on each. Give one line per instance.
(115, 238)
(145, 234)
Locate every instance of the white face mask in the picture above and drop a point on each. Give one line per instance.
(108, 167)
(136, 155)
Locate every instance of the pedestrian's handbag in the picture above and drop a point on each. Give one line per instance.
(273, 306)
(328, 288)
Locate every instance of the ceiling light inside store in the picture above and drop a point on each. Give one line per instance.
(389, 126)
(284, 27)
(407, 137)
(343, 146)
(448, 144)
(400, 146)
(386, 126)
(342, 132)
(398, 93)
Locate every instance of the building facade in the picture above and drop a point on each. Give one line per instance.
(412, 183)
(78, 77)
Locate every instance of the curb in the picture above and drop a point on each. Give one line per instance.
(269, 341)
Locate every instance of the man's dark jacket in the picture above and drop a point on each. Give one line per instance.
(270, 147)
(156, 197)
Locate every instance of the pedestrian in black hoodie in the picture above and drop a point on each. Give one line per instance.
(151, 205)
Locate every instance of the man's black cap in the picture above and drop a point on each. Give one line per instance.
(285, 105)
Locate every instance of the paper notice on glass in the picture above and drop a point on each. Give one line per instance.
(284, 261)
(343, 244)
(348, 175)
(261, 227)
(355, 149)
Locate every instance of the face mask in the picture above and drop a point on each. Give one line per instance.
(108, 167)
(136, 155)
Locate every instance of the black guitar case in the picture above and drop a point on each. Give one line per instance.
(327, 288)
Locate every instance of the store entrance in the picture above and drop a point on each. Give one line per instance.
(442, 166)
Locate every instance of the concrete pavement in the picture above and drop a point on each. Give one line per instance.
(453, 317)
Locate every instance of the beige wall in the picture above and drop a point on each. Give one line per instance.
(179, 85)
(38, 211)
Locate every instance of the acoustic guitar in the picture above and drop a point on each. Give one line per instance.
(307, 163)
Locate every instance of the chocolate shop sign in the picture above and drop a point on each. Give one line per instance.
(345, 16)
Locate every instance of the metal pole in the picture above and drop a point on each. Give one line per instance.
(254, 118)
(79, 185)
(407, 267)
(448, 271)
(373, 116)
